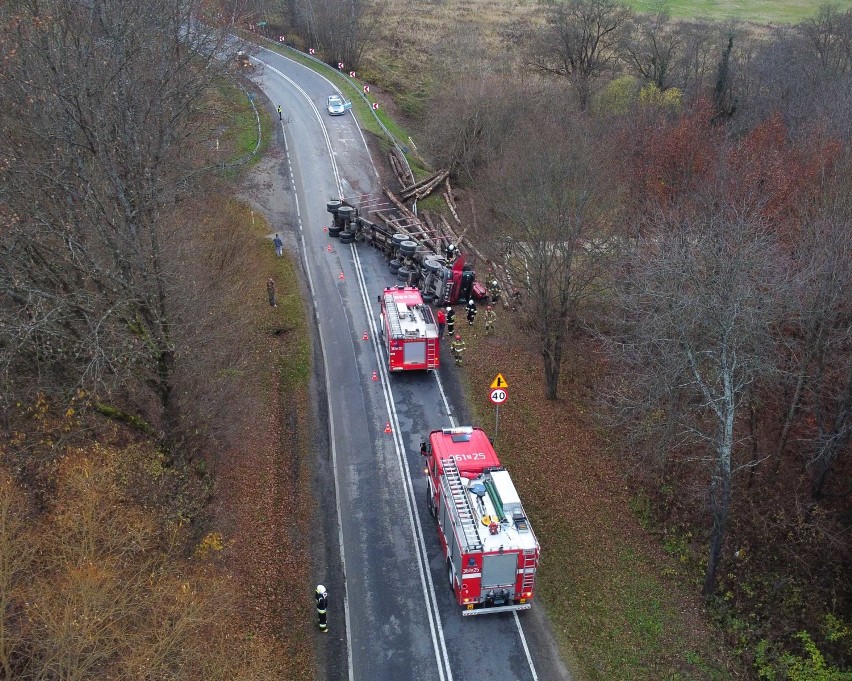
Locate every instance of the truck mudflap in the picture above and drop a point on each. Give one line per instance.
(473, 609)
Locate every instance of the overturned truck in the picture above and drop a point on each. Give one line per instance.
(434, 265)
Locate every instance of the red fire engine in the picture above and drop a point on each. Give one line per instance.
(490, 549)
(409, 330)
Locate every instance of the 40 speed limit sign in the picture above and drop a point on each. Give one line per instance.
(499, 395)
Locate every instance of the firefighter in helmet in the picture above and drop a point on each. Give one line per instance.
(471, 311)
(490, 318)
(458, 347)
(451, 321)
(321, 596)
(494, 291)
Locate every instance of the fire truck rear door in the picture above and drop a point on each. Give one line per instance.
(499, 570)
(414, 352)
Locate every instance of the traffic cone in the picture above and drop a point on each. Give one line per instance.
(325, 229)
(387, 427)
(341, 276)
(328, 248)
(366, 337)
(375, 376)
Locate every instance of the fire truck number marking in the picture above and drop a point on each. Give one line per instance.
(474, 456)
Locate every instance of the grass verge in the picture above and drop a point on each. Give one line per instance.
(758, 11)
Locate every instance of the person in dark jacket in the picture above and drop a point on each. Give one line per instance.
(451, 321)
(471, 311)
(321, 596)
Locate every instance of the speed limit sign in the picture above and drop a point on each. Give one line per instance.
(499, 395)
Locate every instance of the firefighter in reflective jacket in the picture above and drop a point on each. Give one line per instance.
(321, 596)
(490, 318)
(471, 311)
(451, 321)
(458, 348)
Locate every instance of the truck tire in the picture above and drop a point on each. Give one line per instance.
(403, 273)
(346, 213)
(394, 265)
(430, 502)
(408, 248)
(433, 266)
(347, 237)
(451, 573)
(428, 298)
(334, 231)
(332, 206)
(397, 240)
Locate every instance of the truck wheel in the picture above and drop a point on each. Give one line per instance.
(430, 502)
(433, 266)
(394, 265)
(347, 237)
(428, 298)
(332, 206)
(408, 247)
(451, 573)
(334, 231)
(398, 239)
(403, 273)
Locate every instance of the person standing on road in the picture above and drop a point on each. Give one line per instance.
(451, 321)
(490, 318)
(471, 311)
(442, 320)
(280, 118)
(279, 246)
(321, 597)
(270, 291)
(458, 347)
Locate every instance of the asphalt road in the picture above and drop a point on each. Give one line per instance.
(392, 616)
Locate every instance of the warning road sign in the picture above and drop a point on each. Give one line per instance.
(499, 382)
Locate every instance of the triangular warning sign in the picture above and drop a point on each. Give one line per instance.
(499, 382)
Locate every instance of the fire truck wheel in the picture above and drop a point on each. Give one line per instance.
(451, 574)
(404, 272)
(335, 231)
(430, 502)
(408, 247)
(347, 237)
(394, 265)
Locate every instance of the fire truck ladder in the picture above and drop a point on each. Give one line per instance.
(529, 570)
(393, 317)
(454, 489)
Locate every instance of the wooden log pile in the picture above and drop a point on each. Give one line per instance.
(422, 189)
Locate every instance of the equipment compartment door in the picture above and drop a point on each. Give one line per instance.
(499, 570)
(415, 352)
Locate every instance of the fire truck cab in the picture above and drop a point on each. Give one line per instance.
(409, 330)
(490, 549)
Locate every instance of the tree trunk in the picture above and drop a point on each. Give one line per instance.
(832, 443)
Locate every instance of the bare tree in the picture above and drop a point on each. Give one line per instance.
(829, 34)
(700, 303)
(547, 196)
(579, 43)
(99, 119)
(651, 47)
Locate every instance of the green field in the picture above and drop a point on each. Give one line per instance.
(761, 11)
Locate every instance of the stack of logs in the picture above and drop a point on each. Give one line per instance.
(430, 228)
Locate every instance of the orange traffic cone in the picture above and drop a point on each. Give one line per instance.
(366, 337)
(387, 427)
(341, 276)
(328, 248)
(375, 376)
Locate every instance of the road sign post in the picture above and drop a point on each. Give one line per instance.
(498, 396)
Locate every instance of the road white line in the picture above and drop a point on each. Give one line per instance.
(411, 498)
(309, 275)
(526, 647)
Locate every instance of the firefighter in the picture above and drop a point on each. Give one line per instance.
(451, 321)
(490, 318)
(471, 311)
(321, 596)
(458, 348)
(450, 252)
(494, 290)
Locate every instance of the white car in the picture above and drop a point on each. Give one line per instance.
(336, 106)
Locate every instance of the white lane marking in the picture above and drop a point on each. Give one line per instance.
(444, 399)
(413, 517)
(330, 419)
(526, 647)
